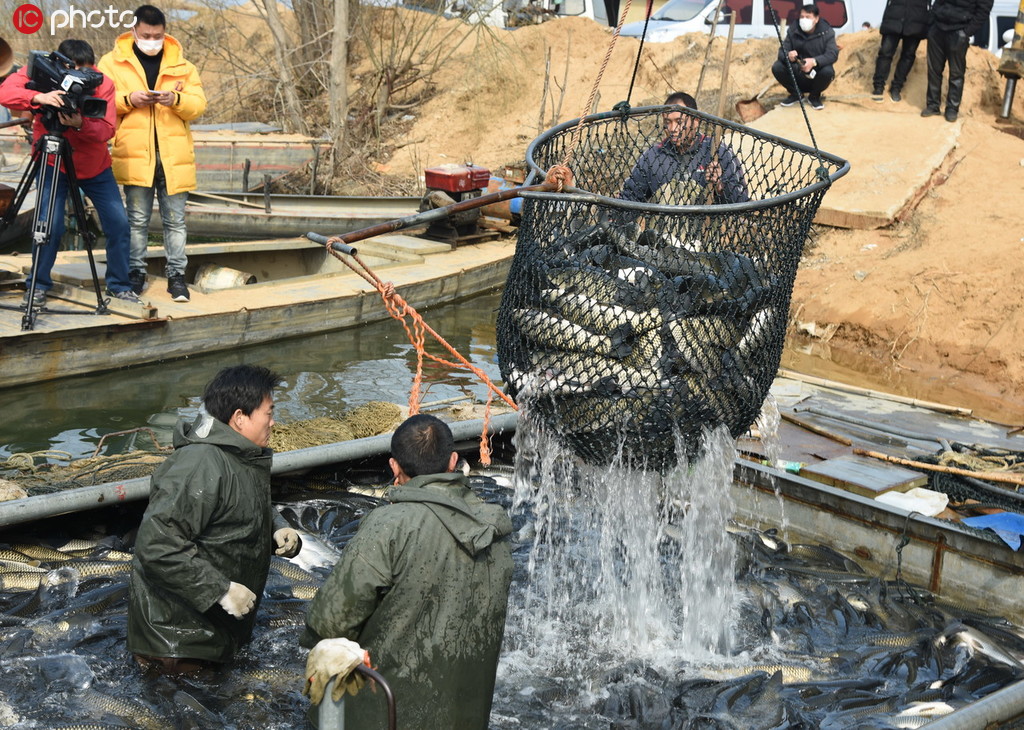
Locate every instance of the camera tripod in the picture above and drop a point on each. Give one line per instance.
(49, 153)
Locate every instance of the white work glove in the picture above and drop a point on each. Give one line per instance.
(288, 542)
(238, 601)
(333, 657)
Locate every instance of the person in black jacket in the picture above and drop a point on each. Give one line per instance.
(953, 24)
(810, 49)
(904, 21)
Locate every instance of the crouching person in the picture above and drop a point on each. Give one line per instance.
(203, 549)
(423, 586)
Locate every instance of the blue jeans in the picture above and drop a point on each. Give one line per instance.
(105, 195)
(139, 200)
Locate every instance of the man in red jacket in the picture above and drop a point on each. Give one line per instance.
(87, 139)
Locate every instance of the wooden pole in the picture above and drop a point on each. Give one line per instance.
(843, 387)
(707, 51)
(989, 476)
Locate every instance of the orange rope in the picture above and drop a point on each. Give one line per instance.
(399, 309)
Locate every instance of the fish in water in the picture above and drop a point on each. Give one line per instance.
(21, 581)
(553, 332)
(291, 571)
(88, 568)
(131, 711)
(976, 643)
(305, 591)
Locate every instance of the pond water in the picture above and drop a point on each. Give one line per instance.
(635, 602)
(324, 376)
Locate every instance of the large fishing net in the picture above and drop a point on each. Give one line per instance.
(649, 303)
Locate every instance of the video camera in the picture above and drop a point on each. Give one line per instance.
(52, 71)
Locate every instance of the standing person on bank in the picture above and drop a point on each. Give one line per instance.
(158, 94)
(203, 549)
(87, 139)
(423, 586)
(903, 22)
(953, 24)
(810, 49)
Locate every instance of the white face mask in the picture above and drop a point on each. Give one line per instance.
(806, 24)
(150, 48)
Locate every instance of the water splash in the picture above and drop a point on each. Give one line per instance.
(623, 563)
(769, 422)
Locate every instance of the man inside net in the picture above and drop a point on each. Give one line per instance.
(684, 168)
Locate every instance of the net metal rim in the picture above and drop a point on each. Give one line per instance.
(842, 167)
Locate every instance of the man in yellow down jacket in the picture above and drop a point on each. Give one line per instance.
(158, 93)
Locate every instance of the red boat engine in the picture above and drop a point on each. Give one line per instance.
(449, 184)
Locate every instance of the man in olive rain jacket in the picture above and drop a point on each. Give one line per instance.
(203, 549)
(423, 586)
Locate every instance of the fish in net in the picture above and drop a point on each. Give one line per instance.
(649, 303)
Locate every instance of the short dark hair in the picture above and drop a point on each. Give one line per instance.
(681, 97)
(78, 51)
(423, 445)
(150, 15)
(812, 8)
(239, 387)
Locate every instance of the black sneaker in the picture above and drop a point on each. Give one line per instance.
(929, 112)
(790, 100)
(176, 287)
(895, 95)
(137, 278)
(951, 115)
(127, 295)
(816, 101)
(877, 94)
(38, 299)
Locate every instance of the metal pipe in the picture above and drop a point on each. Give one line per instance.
(15, 122)
(1008, 94)
(331, 714)
(1001, 705)
(29, 509)
(872, 425)
(437, 214)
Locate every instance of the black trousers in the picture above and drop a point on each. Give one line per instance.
(886, 50)
(807, 85)
(946, 46)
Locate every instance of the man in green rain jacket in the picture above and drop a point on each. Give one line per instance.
(203, 549)
(423, 586)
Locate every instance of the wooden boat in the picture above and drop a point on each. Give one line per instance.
(227, 215)
(247, 293)
(225, 160)
(827, 500)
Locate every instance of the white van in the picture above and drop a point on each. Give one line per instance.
(677, 17)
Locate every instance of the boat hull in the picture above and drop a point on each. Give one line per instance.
(962, 565)
(245, 216)
(328, 299)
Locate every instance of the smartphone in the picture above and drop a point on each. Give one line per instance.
(154, 91)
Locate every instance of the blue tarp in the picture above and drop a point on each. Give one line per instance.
(1008, 525)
